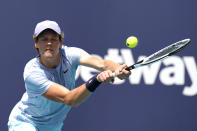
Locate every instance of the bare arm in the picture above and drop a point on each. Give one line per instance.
(76, 96)
(102, 65)
(97, 63)
(73, 98)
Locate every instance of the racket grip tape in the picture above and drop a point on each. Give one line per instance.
(134, 65)
(127, 68)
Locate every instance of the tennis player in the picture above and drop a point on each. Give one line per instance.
(50, 81)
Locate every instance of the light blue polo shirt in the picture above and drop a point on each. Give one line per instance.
(33, 107)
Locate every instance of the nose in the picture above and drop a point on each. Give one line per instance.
(49, 42)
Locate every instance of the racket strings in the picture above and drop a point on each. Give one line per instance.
(166, 51)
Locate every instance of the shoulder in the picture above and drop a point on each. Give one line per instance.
(73, 53)
(71, 50)
(32, 66)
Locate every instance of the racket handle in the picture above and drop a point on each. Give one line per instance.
(127, 68)
(130, 67)
(134, 65)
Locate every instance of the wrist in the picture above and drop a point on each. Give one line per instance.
(93, 83)
(98, 78)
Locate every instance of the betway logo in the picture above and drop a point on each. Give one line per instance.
(171, 71)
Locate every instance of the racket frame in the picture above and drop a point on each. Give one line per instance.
(144, 61)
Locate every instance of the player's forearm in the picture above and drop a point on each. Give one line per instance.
(110, 65)
(77, 96)
(81, 93)
(99, 64)
(73, 97)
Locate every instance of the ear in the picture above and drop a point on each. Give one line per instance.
(35, 46)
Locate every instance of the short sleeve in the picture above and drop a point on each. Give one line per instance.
(37, 83)
(74, 54)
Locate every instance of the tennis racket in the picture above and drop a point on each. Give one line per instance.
(161, 54)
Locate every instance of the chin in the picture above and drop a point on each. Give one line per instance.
(49, 56)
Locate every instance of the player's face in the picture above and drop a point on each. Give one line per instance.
(48, 44)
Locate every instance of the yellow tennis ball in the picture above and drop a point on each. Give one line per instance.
(131, 42)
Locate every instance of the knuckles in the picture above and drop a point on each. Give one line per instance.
(107, 76)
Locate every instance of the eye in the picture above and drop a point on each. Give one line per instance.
(43, 39)
(54, 40)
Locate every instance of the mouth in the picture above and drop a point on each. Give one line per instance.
(49, 50)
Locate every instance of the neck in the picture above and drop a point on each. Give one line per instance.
(50, 62)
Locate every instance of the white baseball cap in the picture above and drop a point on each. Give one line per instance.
(47, 24)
